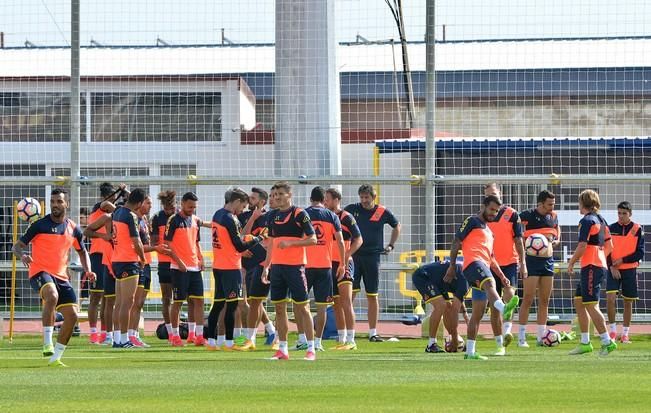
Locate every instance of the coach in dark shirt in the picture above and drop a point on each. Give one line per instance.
(371, 218)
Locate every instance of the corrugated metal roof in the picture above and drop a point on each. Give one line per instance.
(454, 56)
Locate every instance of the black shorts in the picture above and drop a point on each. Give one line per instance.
(477, 273)
(228, 285)
(511, 273)
(109, 284)
(347, 278)
(255, 288)
(67, 296)
(144, 280)
(590, 285)
(286, 280)
(164, 273)
(367, 269)
(320, 280)
(98, 268)
(627, 284)
(186, 285)
(432, 287)
(126, 270)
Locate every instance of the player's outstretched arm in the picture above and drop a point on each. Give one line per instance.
(91, 230)
(578, 253)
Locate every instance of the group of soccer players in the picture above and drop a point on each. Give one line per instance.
(276, 248)
(494, 256)
(286, 251)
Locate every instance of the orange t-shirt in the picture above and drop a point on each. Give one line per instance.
(182, 234)
(51, 243)
(125, 227)
(476, 241)
(326, 224)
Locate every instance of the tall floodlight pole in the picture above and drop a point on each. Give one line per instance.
(396, 11)
(75, 116)
(430, 130)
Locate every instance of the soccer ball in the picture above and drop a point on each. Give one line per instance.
(551, 338)
(460, 345)
(537, 245)
(29, 209)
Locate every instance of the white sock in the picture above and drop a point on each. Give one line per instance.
(237, 332)
(310, 345)
(626, 331)
(132, 333)
(93, 330)
(432, 340)
(191, 327)
(499, 306)
(109, 334)
(540, 331)
(507, 327)
(350, 337)
(341, 336)
(522, 332)
(282, 346)
(470, 347)
(229, 343)
(138, 334)
(124, 337)
(58, 352)
(211, 342)
(168, 327)
(605, 338)
(116, 337)
(317, 341)
(585, 338)
(47, 335)
(270, 328)
(499, 340)
(613, 327)
(175, 331)
(253, 335)
(302, 338)
(221, 340)
(372, 332)
(198, 330)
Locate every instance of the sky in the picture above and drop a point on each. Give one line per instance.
(178, 22)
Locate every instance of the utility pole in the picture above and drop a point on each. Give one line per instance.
(396, 11)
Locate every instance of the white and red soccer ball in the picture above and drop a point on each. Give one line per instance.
(551, 338)
(29, 209)
(537, 245)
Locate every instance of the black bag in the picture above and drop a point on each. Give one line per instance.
(161, 331)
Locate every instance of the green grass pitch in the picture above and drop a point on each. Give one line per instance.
(378, 377)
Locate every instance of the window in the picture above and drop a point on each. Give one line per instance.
(156, 117)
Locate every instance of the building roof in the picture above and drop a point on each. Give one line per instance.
(479, 69)
(479, 143)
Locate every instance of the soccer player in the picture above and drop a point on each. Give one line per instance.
(475, 240)
(290, 232)
(508, 250)
(182, 238)
(541, 220)
(319, 271)
(144, 282)
(628, 249)
(371, 219)
(446, 299)
(228, 243)
(99, 244)
(255, 223)
(593, 246)
(343, 287)
(128, 261)
(52, 237)
(158, 223)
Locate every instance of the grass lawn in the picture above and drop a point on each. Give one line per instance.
(378, 377)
